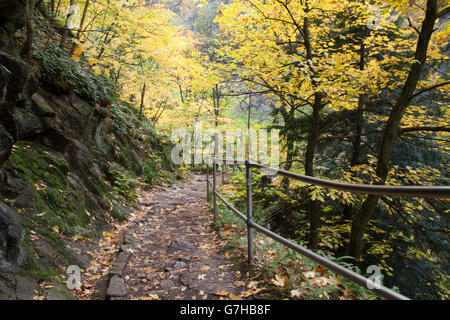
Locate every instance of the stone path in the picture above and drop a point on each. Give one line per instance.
(172, 252)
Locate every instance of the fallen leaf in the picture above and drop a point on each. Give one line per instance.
(335, 281)
(234, 297)
(278, 281)
(309, 274)
(250, 292)
(321, 282)
(76, 238)
(321, 269)
(222, 293)
(295, 294)
(201, 276)
(151, 297)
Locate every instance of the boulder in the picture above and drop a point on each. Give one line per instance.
(119, 264)
(27, 124)
(5, 75)
(26, 197)
(54, 139)
(25, 288)
(40, 107)
(6, 143)
(116, 287)
(59, 292)
(7, 284)
(13, 76)
(79, 158)
(12, 254)
(19, 72)
(13, 15)
(102, 112)
(31, 86)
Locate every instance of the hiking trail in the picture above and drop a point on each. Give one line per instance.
(173, 252)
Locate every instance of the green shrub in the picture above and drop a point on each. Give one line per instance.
(123, 184)
(59, 71)
(149, 172)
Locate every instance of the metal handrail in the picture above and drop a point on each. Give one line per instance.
(420, 191)
(350, 275)
(395, 191)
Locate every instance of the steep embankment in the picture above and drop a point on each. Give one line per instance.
(71, 156)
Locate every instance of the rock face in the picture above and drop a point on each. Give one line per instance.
(11, 236)
(13, 15)
(13, 76)
(63, 153)
(6, 143)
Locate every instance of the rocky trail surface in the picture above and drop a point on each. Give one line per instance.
(172, 252)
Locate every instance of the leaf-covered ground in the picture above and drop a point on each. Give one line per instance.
(175, 252)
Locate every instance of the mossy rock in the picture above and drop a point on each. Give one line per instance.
(40, 107)
(27, 124)
(120, 211)
(60, 292)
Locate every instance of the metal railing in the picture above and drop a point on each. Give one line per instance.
(396, 191)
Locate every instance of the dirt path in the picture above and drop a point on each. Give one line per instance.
(172, 252)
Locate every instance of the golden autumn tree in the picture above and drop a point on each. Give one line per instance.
(412, 83)
(290, 49)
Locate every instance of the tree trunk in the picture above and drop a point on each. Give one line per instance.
(30, 29)
(65, 34)
(181, 93)
(360, 111)
(141, 109)
(108, 34)
(392, 128)
(290, 151)
(117, 77)
(80, 29)
(285, 182)
(83, 18)
(216, 102)
(314, 205)
(347, 212)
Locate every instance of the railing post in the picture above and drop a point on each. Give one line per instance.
(214, 190)
(223, 172)
(207, 182)
(248, 171)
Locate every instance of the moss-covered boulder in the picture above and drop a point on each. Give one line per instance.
(40, 107)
